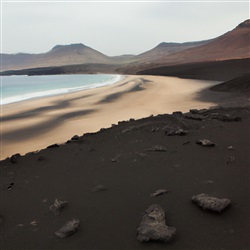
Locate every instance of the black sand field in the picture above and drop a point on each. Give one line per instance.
(108, 179)
(125, 161)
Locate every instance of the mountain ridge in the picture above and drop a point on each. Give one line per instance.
(233, 44)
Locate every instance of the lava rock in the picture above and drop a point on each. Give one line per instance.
(99, 188)
(205, 142)
(57, 207)
(68, 228)
(225, 118)
(14, 158)
(53, 146)
(178, 131)
(194, 116)
(153, 226)
(159, 192)
(211, 203)
(158, 148)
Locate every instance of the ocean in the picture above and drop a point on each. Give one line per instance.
(20, 88)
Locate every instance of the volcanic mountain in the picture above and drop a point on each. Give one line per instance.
(234, 44)
(78, 58)
(57, 56)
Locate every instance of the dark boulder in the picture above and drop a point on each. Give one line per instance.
(153, 226)
(211, 203)
(68, 228)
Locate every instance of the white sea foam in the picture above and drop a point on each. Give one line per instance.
(59, 91)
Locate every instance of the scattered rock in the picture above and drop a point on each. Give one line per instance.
(153, 226)
(34, 223)
(132, 128)
(14, 158)
(177, 113)
(68, 228)
(194, 116)
(57, 207)
(157, 148)
(10, 186)
(53, 146)
(209, 182)
(159, 192)
(194, 111)
(154, 129)
(99, 188)
(41, 158)
(178, 131)
(230, 148)
(75, 138)
(230, 159)
(211, 203)
(205, 142)
(225, 118)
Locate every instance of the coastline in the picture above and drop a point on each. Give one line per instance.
(32, 125)
(78, 85)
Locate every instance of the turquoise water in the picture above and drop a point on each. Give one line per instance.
(20, 88)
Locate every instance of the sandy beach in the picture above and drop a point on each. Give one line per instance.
(35, 124)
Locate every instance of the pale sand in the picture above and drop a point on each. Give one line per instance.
(34, 124)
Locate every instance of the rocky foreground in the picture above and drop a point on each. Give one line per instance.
(177, 181)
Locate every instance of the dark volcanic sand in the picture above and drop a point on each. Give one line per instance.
(118, 158)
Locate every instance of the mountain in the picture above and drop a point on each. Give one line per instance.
(58, 56)
(234, 44)
(164, 49)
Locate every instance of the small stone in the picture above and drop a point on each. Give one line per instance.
(75, 138)
(41, 158)
(57, 207)
(205, 142)
(230, 148)
(34, 223)
(178, 131)
(68, 228)
(157, 148)
(230, 159)
(153, 226)
(14, 158)
(159, 192)
(211, 203)
(194, 116)
(53, 146)
(99, 188)
(10, 186)
(225, 118)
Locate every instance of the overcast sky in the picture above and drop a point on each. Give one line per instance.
(114, 28)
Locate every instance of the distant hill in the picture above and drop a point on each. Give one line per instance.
(58, 56)
(234, 44)
(164, 49)
(81, 59)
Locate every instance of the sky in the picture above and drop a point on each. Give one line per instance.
(114, 27)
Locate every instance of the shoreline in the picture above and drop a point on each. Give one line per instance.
(60, 91)
(56, 119)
